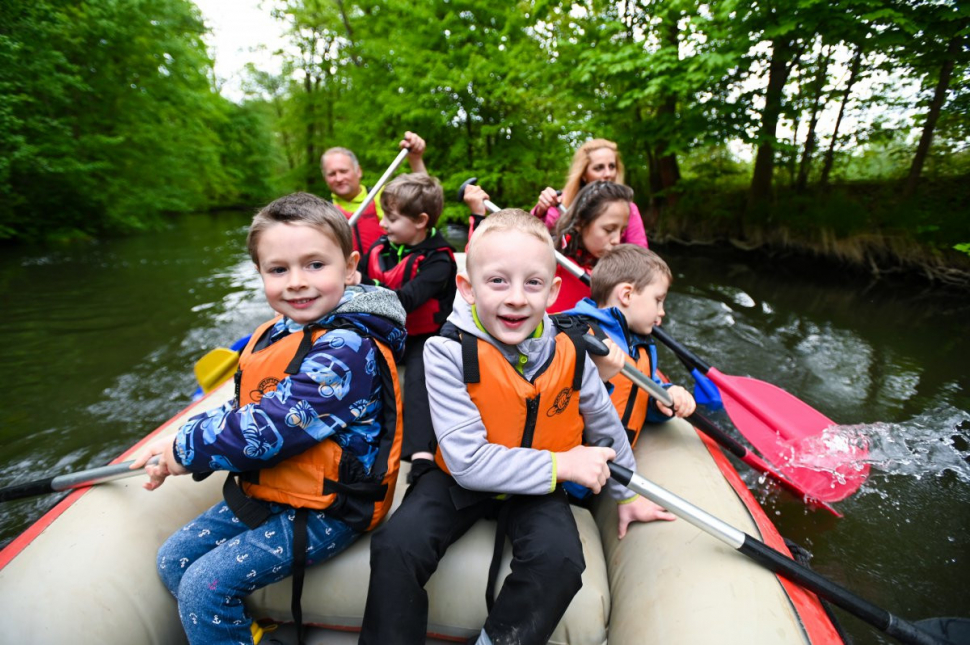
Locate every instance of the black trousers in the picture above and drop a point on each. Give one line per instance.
(418, 431)
(547, 563)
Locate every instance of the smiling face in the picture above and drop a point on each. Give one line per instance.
(303, 271)
(342, 175)
(511, 282)
(645, 308)
(602, 166)
(604, 232)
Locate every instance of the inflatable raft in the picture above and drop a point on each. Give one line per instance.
(85, 572)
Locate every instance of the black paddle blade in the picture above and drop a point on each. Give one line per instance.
(954, 630)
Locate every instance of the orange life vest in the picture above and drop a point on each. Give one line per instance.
(324, 476)
(630, 402)
(542, 413)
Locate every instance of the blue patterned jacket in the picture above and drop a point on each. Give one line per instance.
(336, 394)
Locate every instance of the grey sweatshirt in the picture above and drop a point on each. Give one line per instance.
(479, 465)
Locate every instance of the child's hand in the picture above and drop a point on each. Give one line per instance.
(166, 465)
(547, 199)
(585, 465)
(475, 198)
(610, 365)
(684, 404)
(641, 510)
(415, 145)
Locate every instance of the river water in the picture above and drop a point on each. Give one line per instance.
(99, 339)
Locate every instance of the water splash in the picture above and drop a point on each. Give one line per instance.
(932, 443)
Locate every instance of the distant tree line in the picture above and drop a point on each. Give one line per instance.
(113, 116)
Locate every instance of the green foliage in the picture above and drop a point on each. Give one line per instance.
(108, 118)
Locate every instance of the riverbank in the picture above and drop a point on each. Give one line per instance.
(864, 227)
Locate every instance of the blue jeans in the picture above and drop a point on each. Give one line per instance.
(215, 561)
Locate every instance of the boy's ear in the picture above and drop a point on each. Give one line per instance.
(554, 291)
(624, 292)
(351, 267)
(422, 221)
(465, 288)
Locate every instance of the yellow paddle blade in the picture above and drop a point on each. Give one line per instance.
(215, 368)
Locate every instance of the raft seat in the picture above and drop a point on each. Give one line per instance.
(335, 592)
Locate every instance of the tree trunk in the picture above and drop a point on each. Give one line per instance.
(936, 106)
(311, 160)
(806, 161)
(667, 167)
(782, 50)
(830, 153)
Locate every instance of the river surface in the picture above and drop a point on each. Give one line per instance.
(99, 340)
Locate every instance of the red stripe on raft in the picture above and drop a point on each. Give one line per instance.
(21, 542)
(815, 621)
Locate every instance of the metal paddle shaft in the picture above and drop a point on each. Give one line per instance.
(380, 183)
(567, 264)
(777, 562)
(708, 427)
(89, 477)
(773, 420)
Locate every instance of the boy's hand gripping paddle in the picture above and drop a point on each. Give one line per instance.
(708, 427)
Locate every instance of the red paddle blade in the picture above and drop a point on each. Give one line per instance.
(774, 421)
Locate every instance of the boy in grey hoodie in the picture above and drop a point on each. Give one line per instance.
(512, 397)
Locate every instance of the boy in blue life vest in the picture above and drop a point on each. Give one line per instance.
(628, 288)
(512, 396)
(316, 393)
(414, 260)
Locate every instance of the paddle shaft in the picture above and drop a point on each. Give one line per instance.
(567, 264)
(380, 183)
(705, 425)
(89, 477)
(775, 561)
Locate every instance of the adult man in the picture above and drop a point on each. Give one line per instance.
(343, 174)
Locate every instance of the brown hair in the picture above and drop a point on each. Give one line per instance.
(303, 209)
(413, 194)
(575, 180)
(590, 204)
(626, 263)
(509, 219)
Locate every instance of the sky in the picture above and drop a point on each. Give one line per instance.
(241, 32)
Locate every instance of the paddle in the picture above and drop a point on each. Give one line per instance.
(70, 481)
(380, 184)
(563, 261)
(595, 346)
(775, 561)
(773, 420)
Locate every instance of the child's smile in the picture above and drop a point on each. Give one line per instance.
(303, 271)
(511, 283)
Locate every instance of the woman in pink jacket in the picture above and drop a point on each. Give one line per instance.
(595, 160)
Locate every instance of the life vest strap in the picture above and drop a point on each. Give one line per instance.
(300, 540)
(306, 344)
(469, 359)
(251, 512)
(369, 492)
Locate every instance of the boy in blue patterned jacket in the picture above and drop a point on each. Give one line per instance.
(316, 392)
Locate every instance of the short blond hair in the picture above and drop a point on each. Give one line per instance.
(304, 209)
(503, 221)
(629, 263)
